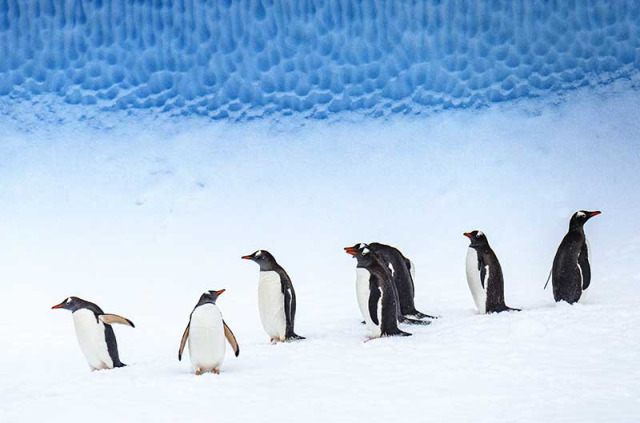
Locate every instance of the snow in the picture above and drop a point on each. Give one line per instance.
(145, 215)
(257, 58)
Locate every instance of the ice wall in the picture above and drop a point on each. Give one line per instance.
(245, 59)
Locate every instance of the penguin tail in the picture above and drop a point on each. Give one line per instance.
(415, 322)
(513, 309)
(548, 278)
(294, 337)
(119, 364)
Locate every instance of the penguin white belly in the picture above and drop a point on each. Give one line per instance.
(475, 284)
(206, 338)
(271, 305)
(363, 293)
(92, 340)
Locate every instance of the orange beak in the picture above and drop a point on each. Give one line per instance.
(595, 213)
(61, 305)
(220, 292)
(351, 251)
(249, 257)
(467, 234)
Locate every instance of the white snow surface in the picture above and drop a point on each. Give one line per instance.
(143, 217)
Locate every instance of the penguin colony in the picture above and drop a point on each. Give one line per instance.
(385, 293)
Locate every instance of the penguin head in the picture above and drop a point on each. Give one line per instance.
(353, 250)
(264, 259)
(71, 303)
(478, 239)
(362, 253)
(210, 297)
(580, 217)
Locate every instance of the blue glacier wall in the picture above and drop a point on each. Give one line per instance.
(245, 59)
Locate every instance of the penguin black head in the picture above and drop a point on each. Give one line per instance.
(264, 259)
(478, 239)
(210, 297)
(72, 304)
(580, 217)
(353, 250)
(362, 253)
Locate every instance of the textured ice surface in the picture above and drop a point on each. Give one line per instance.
(243, 59)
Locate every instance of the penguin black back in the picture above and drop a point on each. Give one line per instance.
(490, 270)
(402, 281)
(381, 292)
(571, 271)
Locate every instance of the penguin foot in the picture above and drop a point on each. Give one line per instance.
(198, 372)
(415, 322)
(294, 337)
(216, 370)
(397, 333)
(419, 315)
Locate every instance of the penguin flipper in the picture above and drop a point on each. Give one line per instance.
(374, 297)
(585, 267)
(185, 336)
(289, 305)
(231, 338)
(110, 319)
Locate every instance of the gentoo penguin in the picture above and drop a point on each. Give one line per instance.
(276, 298)
(374, 291)
(571, 271)
(484, 275)
(206, 332)
(94, 332)
(402, 274)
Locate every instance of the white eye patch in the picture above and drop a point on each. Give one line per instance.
(361, 245)
(68, 300)
(480, 234)
(365, 251)
(258, 253)
(580, 214)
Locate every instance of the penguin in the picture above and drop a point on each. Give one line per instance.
(484, 275)
(276, 298)
(403, 274)
(571, 271)
(206, 331)
(94, 332)
(374, 291)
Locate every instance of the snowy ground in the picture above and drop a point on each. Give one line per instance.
(143, 217)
